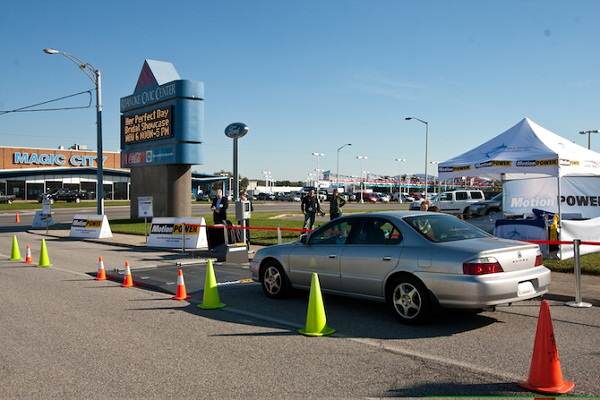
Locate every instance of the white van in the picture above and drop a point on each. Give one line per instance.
(456, 201)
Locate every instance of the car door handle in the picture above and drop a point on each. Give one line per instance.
(387, 258)
(332, 256)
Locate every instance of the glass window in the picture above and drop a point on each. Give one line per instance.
(375, 231)
(34, 190)
(90, 189)
(476, 195)
(446, 197)
(444, 228)
(461, 196)
(17, 188)
(52, 186)
(335, 233)
(120, 190)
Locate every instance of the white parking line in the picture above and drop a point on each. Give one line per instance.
(395, 349)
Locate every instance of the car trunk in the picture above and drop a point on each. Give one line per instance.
(511, 254)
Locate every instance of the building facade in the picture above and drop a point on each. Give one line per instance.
(28, 172)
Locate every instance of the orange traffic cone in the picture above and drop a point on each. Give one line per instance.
(181, 292)
(17, 218)
(28, 258)
(101, 274)
(128, 280)
(545, 375)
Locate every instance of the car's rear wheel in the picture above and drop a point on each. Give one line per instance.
(274, 281)
(409, 300)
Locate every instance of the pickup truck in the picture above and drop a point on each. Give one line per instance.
(7, 198)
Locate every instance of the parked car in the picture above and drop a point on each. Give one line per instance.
(456, 201)
(402, 197)
(7, 198)
(67, 195)
(383, 197)
(413, 261)
(265, 196)
(485, 207)
(202, 197)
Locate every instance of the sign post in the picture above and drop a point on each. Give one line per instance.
(145, 209)
(235, 131)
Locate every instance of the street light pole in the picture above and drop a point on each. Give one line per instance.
(400, 160)
(589, 136)
(317, 156)
(362, 192)
(337, 172)
(95, 76)
(426, 145)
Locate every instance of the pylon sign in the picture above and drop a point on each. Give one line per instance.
(162, 121)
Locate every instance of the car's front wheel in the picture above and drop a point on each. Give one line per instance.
(273, 280)
(409, 300)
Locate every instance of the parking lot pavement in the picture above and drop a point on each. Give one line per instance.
(65, 336)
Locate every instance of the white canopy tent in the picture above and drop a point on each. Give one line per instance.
(526, 148)
(541, 170)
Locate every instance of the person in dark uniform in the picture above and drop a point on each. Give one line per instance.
(335, 205)
(219, 208)
(310, 206)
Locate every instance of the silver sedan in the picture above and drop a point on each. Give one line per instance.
(414, 261)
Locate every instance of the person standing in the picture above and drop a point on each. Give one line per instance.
(310, 206)
(335, 205)
(219, 208)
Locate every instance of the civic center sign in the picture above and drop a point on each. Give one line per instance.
(161, 138)
(162, 123)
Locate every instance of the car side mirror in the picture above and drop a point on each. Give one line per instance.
(304, 238)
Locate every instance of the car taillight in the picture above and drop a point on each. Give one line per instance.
(482, 266)
(539, 260)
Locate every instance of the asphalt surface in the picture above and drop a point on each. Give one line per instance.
(65, 335)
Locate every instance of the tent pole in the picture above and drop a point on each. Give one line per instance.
(559, 216)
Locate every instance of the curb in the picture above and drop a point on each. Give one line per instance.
(99, 241)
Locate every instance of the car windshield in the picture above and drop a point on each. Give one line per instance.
(497, 197)
(443, 228)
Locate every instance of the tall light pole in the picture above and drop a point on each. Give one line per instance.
(588, 133)
(96, 77)
(317, 156)
(434, 163)
(426, 145)
(361, 159)
(337, 172)
(400, 160)
(267, 175)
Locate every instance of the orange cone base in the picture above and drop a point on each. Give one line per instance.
(127, 283)
(101, 277)
(566, 387)
(181, 298)
(325, 332)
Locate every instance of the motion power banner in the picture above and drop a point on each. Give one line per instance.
(171, 233)
(579, 196)
(90, 226)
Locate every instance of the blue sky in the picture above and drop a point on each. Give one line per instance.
(311, 75)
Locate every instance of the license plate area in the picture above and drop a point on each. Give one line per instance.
(525, 289)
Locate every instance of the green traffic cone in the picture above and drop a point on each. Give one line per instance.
(44, 261)
(15, 253)
(316, 320)
(210, 299)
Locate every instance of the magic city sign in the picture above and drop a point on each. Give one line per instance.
(59, 160)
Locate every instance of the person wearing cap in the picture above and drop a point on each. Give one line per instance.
(335, 205)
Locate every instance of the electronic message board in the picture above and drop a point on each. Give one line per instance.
(147, 126)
